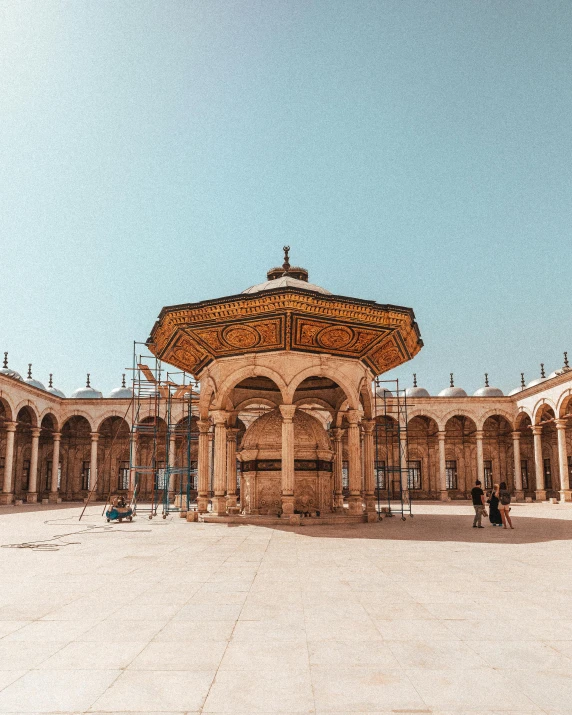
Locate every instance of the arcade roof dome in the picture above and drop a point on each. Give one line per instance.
(489, 392)
(266, 432)
(33, 383)
(121, 392)
(86, 393)
(416, 392)
(5, 370)
(452, 391)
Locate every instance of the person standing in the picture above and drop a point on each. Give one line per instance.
(478, 496)
(494, 501)
(504, 506)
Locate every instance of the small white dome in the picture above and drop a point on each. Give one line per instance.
(86, 393)
(286, 282)
(515, 391)
(30, 380)
(121, 393)
(10, 373)
(452, 392)
(416, 392)
(382, 392)
(538, 380)
(561, 371)
(55, 391)
(489, 392)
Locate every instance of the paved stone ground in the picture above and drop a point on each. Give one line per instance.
(422, 616)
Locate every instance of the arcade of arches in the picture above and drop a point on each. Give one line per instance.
(266, 448)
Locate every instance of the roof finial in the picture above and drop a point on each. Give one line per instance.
(5, 360)
(522, 380)
(123, 381)
(566, 365)
(486, 379)
(87, 382)
(452, 384)
(286, 264)
(50, 383)
(29, 371)
(414, 379)
(542, 373)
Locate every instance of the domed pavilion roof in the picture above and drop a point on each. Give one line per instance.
(285, 313)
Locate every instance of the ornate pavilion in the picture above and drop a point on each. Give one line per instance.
(287, 416)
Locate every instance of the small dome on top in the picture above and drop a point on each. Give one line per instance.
(7, 371)
(416, 391)
(515, 391)
(563, 369)
(286, 276)
(122, 392)
(86, 393)
(30, 380)
(54, 390)
(487, 390)
(452, 391)
(540, 379)
(381, 391)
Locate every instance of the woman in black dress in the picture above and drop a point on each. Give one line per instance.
(494, 514)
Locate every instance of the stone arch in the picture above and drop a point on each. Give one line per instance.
(8, 408)
(494, 413)
(208, 391)
(302, 401)
(66, 417)
(222, 399)
(31, 408)
(564, 404)
(366, 396)
(49, 413)
(423, 412)
(521, 417)
(254, 401)
(337, 376)
(459, 412)
(112, 413)
(540, 408)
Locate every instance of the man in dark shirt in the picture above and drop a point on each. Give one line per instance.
(479, 503)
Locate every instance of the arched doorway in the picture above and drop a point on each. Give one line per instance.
(461, 457)
(113, 457)
(423, 457)
(498, 460)
(77, 479)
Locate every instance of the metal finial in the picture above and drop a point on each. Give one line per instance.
(5, 360)
(29, 371)
(87, 381)
(566, 360)
(123, 381)
(522, 380)
(486, 379)
(451, 383)
(50, 382)
(414, 379)
(286, 264)
(542, 373)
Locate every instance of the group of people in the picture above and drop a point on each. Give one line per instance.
(499, 505)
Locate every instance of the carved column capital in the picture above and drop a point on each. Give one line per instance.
(94, 436)
(561, 423)
(36, 431)
(368, 426)
(204, 426)
(10, 426)
(338, 434)
(287, 412)
(219, 417)
(516, 435)
(537, 430)
(479, 434)
(353, 417)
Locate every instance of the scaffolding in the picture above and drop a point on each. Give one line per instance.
(162, 479)
(392, 474)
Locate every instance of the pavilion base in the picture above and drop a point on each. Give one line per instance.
(6, 499)
(285, 520)
(565, 495)
(540, 494)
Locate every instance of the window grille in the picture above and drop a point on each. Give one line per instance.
(2, 464)
(414, 474)
(85, 476)
(451, 473)
(488, 469)
(123, 482)
(524, 473)
(380, 475)
(160, 477)
(345, 476)
(547, 474)
(26, 474)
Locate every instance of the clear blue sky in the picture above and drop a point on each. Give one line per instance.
(410, 152)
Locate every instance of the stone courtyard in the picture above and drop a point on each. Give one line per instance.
(422, 616)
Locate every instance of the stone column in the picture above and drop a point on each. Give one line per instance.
(133, 442)
(518, 490)
(369, 467)
(53, 498)
(32, 493)
(540, 492)
(7, 495)
(93, 460)
(480, 459)
(287, 412)
(355, 504)
(338, 466)
(220, 448)
(444, 494)
(203, 466)
(231, 500)
(172, 462)
(403, 458)
(565, 493)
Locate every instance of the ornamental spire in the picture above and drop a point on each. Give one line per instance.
(451, 383)
(414, 379)
(29, 371)
(286, 264)
(5, 360)
(486, 379)
(87, 381)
